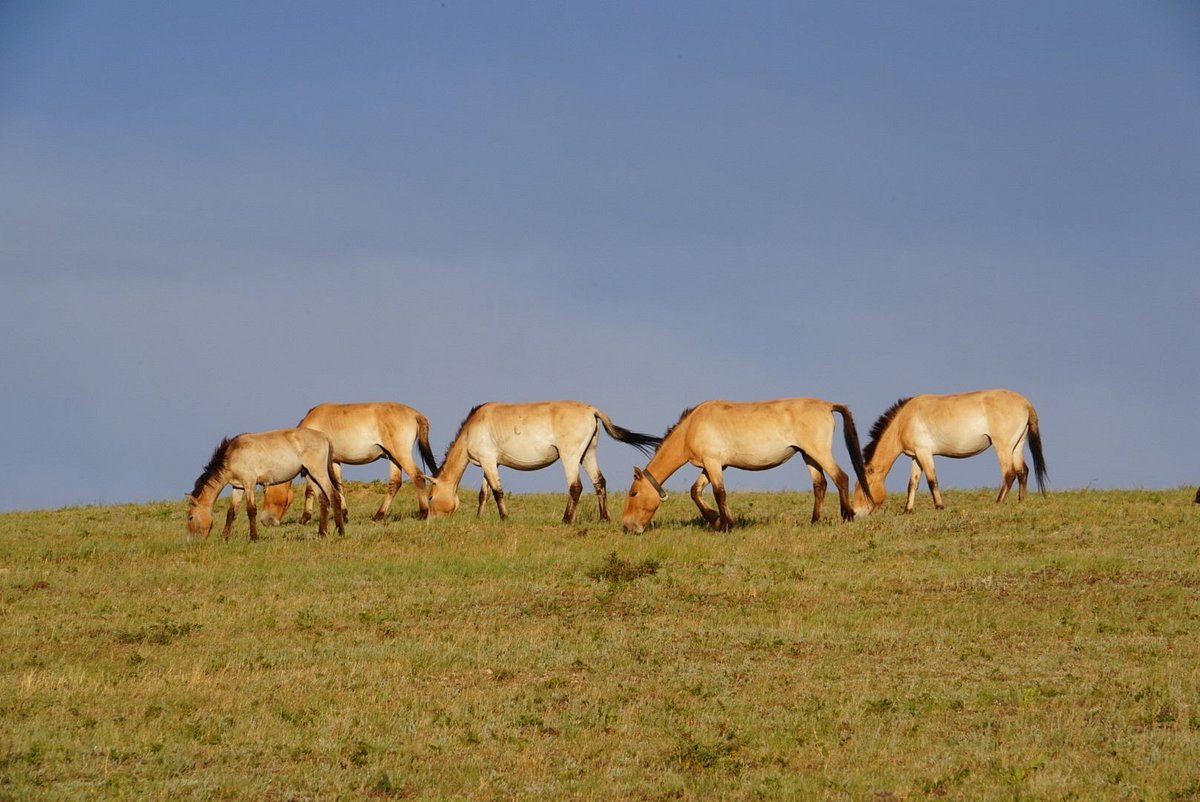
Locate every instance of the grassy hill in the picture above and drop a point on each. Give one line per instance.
(1044, 650)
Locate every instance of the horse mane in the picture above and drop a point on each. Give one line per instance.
(674, 426)
(880, 426)
(458, 434)
(215, 463)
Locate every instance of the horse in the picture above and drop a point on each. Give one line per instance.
(361, 434)
(960, 425)
(264, 458)
(750, 435)
(529, 437)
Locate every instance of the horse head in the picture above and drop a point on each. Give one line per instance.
(645, 497)
(441, 497)
(199, 516)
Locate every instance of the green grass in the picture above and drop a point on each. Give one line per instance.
(1044, 650)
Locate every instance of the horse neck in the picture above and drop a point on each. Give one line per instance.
(887, 451)
(455, 463)
(212, 488)
(670, 457)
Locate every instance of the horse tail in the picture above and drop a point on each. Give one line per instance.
(856, 456)
(423, 445)
(646, 443)
(1035, 448)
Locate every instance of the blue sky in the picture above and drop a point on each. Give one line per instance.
(218, 214)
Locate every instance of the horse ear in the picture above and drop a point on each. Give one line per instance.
(429, 479)
(637, 472)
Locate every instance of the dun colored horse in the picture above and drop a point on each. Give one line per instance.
(529, 437)
(264, 458)
(960, 425)
(361, 434)
(753, 436)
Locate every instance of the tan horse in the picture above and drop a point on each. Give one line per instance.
(529, 437)
(361, 434)
(960, 425)
(750, 435)
(264, 458)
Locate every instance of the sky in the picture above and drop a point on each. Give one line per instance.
(215, 215)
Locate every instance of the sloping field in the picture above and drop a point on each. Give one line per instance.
(1044, 650)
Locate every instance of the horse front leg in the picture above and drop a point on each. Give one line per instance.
(235, 498)
(710, 515)
(252, 512)
(914, 479)
(726, 521)
(925, 461)
(491, 477)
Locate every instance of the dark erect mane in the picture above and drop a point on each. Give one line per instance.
(675, 425)
(215, 463)
(458, 434)
(881, 426)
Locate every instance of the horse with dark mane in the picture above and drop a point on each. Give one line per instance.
(264, 458)
(960, 425)
(529, 437)
(361, 434)
(753, 436)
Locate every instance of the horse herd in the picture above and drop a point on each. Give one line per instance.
(712, 436)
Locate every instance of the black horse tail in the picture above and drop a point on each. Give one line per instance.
(423, 445)
(1035, 448)
(852, 445)
(646, 443)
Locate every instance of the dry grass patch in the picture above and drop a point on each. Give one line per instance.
(1041, 650)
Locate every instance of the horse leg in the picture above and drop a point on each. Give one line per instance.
(491, 476)
(718, 487)
(914, 479)
(592, 467)
(330, 495)
(483, 496)
(574, 491)
(235, 497)
(1007, 474)
(925, 460)
(710, 515)
(819, 485)
(1021, 468)
(252, 512)
(306, 516)
(395, 480)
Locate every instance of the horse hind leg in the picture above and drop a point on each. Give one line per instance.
(709, 514)
(819, 486)
(574, 491)
(1009, 472)
(592, 467)
(395, 481)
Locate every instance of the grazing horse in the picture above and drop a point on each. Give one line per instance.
(529, 437)
(264, 458)
(753, 436)
(361, 434)
(960, 425)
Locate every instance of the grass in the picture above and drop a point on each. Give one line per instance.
(1044, 650)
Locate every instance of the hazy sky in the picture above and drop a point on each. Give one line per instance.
(217, 214)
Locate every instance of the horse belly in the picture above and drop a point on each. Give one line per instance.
(760, 457)
(962, 444)
(523, 455)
